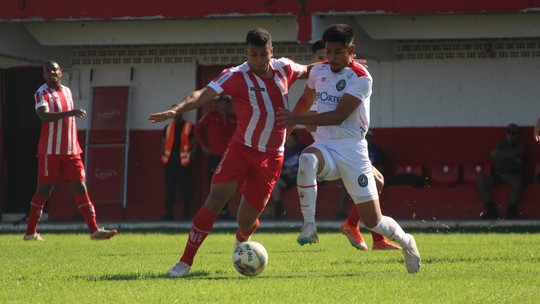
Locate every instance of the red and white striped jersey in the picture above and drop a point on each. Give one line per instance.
(58, 137)
(257, 101)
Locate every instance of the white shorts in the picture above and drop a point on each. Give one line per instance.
(348, 159)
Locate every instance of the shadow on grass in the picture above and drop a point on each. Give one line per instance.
(196, 275)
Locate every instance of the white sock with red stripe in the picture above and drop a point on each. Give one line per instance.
(306, 182)
(393, 231)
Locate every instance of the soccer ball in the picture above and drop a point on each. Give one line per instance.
(250, 258)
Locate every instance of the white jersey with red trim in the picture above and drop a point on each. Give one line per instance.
(58, 137)
(257, 100)
(330, 86)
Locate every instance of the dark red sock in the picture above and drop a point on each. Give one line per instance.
(200, 228)
(87, 209)
(36, 209)
(243, 236)
(354, 217)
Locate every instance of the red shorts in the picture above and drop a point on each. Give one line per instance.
(70, 166)
(256, 173)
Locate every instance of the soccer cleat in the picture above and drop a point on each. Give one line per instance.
(237, 242)
(308, 234)
(384, 245)
(412, 256)
(353, 235)
(102, 234)
(33, 237)
(179, 270)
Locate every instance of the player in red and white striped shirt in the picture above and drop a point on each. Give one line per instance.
(253, 160)
(59, 152)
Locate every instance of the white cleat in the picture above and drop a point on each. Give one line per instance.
(33, 237)
(308, 234)
(412, 256)
(179, 270)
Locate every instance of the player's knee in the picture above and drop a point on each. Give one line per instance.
(308, 162)
(44, 190)
(379, 181)
(307, 169)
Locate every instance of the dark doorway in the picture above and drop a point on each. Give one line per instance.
(20, 134)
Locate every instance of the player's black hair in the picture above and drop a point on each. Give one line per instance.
(339, 33)
(317, 45)
(258, 37)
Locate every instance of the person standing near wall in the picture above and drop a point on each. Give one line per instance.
(508, 164)
(178, 150)
(537, 130)
(59, 152)
(213, 132)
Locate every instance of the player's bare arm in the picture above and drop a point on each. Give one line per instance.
(46, 116)
(303, 105)
(307, 69)
(346, 106)
(192, 101)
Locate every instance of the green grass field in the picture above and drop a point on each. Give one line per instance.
(457, 267)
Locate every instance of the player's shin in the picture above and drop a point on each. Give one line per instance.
(242, 236)
(87, 209)
(307, 185)
(36, 210)
(393, 231)
(202, 225)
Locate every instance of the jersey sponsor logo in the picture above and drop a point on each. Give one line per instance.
(256, 89)
(340, 85)
(324, 96)
(46, 166)
(363, 180)
(224, 77)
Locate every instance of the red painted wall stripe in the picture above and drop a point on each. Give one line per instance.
(160, 9)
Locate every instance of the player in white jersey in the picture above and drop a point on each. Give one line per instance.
(351, 225)
(342, 89)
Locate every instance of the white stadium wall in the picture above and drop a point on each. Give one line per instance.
(407, 93)
(154, 87)
(455, 93)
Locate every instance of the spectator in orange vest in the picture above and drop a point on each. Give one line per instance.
(178, 149)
